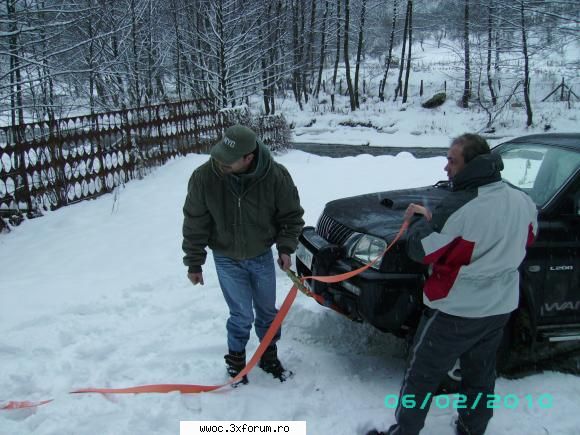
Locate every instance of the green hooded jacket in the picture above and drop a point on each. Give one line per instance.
(240, 216)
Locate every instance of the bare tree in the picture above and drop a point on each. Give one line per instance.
(322, 49)
(359, 52)
(309, 68)
(176, 13)
(389, 56)
(337, 58)
(399, 87)
(64, 55)
(304, 53)
(346, 55)
(270, 33)
(297, 51)
(467, 80)
(490, 7)
(408, 70)
(529, 114)
(229, 49)
(15, 71)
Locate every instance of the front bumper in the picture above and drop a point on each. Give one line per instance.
(388, 301)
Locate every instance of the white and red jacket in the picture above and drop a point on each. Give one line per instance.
(475, 242)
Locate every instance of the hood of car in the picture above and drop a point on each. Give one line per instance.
(381, 213)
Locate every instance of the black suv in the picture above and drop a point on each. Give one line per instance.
(353, 231)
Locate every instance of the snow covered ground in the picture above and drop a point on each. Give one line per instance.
(95, 295)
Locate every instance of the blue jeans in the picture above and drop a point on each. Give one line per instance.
(245, 283)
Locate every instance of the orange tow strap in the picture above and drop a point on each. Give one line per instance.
(299, 282)
(272, 330)
(347, 275)
(182, 388)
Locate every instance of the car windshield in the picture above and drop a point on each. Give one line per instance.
(539, 170)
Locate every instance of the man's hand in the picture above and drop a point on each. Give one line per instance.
(284, 261)
(196, 278)
(417, 209)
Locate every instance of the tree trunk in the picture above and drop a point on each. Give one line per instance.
(337, 59)
(118, 77)
(264, 66)
(150, 56)
(177, 50)
(389, 57)
(303, 64)
(266, 61)
(467, 81)
(489, 45)
(274, 57)
(497, 49)
(296, 88)
(46, 81)
(135, 53)
(16, 109)
(529, 114)
(310, 49)
(399, 87)
(346, 61)
(408, 71)
(223, 81)
(359, 52)
(322, 49)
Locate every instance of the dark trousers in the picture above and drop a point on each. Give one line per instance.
(439, 341)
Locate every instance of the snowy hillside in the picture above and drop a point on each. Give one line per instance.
(391, 123)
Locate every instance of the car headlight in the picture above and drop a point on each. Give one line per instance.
(368, 248)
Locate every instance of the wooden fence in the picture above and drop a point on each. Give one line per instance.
(51, 164)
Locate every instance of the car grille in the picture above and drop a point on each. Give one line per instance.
(332, 230)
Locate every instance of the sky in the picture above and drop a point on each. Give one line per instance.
(95, 295)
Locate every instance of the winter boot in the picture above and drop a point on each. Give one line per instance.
(271, 364)
(235, 363)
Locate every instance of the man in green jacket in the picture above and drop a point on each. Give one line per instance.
(239, 204)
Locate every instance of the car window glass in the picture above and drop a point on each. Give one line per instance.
(539, 170)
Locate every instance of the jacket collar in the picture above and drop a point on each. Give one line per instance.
(483, 169)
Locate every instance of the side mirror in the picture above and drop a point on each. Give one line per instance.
(577, 204)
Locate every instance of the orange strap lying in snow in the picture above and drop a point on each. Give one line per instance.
(182, 388)
(188, 388)
(25, 404)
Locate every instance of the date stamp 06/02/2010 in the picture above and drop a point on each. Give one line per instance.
(459, 401)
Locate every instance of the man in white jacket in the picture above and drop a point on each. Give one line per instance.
(473, 242)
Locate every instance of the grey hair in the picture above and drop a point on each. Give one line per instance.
(472, 145)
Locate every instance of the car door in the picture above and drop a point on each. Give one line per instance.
(560, 300)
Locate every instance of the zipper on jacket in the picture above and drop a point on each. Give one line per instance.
(240, 238)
